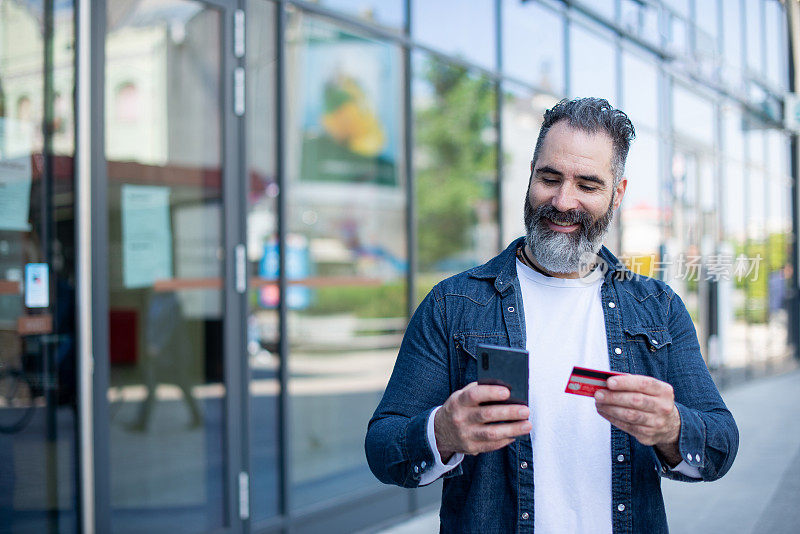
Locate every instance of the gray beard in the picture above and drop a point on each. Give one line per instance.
(565, 253)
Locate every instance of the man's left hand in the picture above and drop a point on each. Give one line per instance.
(644, 408)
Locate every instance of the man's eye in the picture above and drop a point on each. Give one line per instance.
(549, 181)
(588, 188)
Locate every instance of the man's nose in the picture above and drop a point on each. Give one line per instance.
(565, 198)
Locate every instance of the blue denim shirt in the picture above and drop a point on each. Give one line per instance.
(649, 332)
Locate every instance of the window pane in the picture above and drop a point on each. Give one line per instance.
(640, 216)
(641, 20)
(776, 44)
(732, 41)
(164, 158)
(706, 43)
(39, 488)
(455, 169)
(706, 17)
(346, 247)
(681, 7)
(678, 41)
(733, 327)
(523, 112)
(640, 90)
(386, 13)
(733, 136)
(464, 29)
(753, 35)
(533, 45)
(592, 71)
(693, 115)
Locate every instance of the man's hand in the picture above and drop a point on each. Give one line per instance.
(462, 424)
(644, 408)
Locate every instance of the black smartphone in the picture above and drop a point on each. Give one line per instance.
(504, 366)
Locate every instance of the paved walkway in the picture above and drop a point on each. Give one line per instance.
(760, 494)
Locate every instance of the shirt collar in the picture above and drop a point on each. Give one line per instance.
(503, 270)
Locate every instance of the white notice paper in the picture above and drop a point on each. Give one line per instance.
(146, 235)
(15, 192)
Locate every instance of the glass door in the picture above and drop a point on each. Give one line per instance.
(38, 438)
(167, 94)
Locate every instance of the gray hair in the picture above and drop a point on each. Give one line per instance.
(592, 115)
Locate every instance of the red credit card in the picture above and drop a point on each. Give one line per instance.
(585, 381)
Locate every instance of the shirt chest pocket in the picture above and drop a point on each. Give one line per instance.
(466, 351)
(648, 347)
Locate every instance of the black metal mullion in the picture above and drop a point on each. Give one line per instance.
(233, 320)
(241, 359)
(100, 282)
(284, 453)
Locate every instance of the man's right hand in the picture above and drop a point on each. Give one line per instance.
(462, 424)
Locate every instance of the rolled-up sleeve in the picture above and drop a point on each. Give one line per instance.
(397, 447)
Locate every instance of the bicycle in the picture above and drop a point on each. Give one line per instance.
(16, 400)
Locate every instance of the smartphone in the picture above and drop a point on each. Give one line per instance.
(504, 366)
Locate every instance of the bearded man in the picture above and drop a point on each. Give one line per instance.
(578, 465)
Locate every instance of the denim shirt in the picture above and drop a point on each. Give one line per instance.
(649, 332)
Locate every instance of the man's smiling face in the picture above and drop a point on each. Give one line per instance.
(572, 197)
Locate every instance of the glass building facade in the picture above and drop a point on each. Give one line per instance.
(216, 217)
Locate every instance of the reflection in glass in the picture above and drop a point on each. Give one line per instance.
(640, 90)
(346, 249)
(775, 28)
(386, 13)
(601, 7)
(678, 41)
(732, 42)
(640, 215)
(779, 243)
(465, 29)
(38, 443)
(455, 170)
(533, 48)
(592, 71)
(706, 44)
(523, 111)
(753, 36)
(262, 252)
(163, 158)
(641, 19)
(693, 115)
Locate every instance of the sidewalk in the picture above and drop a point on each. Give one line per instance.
(761, 492)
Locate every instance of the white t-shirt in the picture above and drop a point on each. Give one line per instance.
(564, 327)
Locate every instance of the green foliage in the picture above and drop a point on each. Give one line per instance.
(456, 159)
(773, 255)
(388, 300)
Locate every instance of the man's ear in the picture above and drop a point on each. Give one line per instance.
(620, 192)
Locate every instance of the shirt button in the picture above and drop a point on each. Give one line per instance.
(696, 457)
(423, 464)
(525, 515)
(416, 469)
(523, 465)
(621, 458)
(511, 309)
(689, 457)
(654, 341)
(612, 305)
(618, 350)
(621, 507)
